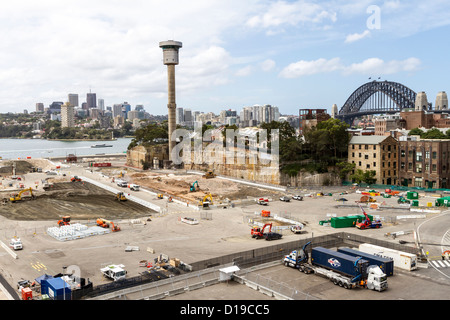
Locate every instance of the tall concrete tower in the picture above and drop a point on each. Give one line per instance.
(170, 56)
(334, 111)
(421, 101)
(441, 101)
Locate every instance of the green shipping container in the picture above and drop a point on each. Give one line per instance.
(412, 195)
(347, 222)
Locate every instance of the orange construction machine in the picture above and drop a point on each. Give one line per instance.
(105, 224)
(65, 221)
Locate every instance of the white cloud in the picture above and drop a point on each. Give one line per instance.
(357, 36)
(307, 68)
(268, 65)
(245, 71)
(280, 14)
(369, 66)
(378, 66)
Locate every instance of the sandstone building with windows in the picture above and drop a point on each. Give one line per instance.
(377, 153)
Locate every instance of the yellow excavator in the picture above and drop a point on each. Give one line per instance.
(205, 203)
(18, 196)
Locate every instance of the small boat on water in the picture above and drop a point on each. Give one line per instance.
(101, 145)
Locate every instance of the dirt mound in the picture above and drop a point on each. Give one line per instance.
(81, 201)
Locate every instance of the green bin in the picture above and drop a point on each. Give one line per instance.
(411, 195)
(415, 203)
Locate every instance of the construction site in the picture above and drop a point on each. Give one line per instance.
(119, 228)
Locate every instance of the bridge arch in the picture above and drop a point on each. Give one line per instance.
(368, 99)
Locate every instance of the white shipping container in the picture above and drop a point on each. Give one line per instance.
(402, 260)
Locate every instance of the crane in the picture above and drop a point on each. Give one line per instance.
(367, 223)
(105, 224)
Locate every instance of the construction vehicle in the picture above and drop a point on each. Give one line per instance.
(262, 201)
(65, 221)
(367, 223)
(342, 269)
(366, 198)
(265, 214)
(120, 196)
(134, 187)
(75, 179)
(114, 272)
(106, 224)
(22, 195)
(209, 175)
(258, 233)
(16, 244)
(160, 196)
(205, 203)
(403, 200)
(192, 188)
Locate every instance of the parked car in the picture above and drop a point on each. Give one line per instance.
(297, 197)
(122, 183)
(285, 199)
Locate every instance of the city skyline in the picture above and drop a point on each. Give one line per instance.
(290, 54)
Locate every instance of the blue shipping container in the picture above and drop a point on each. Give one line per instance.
(342, 263)
(56, 289)
(386, 265)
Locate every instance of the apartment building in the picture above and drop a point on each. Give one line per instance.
(377, 153)
(424, 163)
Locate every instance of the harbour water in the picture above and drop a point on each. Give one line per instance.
(37, 148)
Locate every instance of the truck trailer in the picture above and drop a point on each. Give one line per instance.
(343, 270)
(386, 265)
(402, 260)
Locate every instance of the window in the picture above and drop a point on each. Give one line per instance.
(359, 147)
(419, 156)
(366, 157)
(368, 166)
(418, 167)
(374, 147)
(402, 153)
(410, 166)
(410, 153)
(402, 165)
(389, 148)
(427, 167)
(366, 147)
(434, 154)
(433, 167)
(360, 155)
(359, 164)
(374, 164)
(353, 147)
(427, 154)
(353, 154)
(418, 182)
(374, 155)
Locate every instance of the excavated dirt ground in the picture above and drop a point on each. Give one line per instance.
(80, 200)
(179, 185)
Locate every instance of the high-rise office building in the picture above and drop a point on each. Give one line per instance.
(73, 99)
(39, 107)
(101, 104)
(91, 100)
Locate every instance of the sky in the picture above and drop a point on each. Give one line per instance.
(290, 54)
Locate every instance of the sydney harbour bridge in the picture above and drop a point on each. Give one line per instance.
(377, 97)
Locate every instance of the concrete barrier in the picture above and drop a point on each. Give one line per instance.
(8, 249)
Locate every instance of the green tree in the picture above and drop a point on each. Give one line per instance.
(433, 134)
(367, 176)
(151, 134)
(345, 168)
(416, 132)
